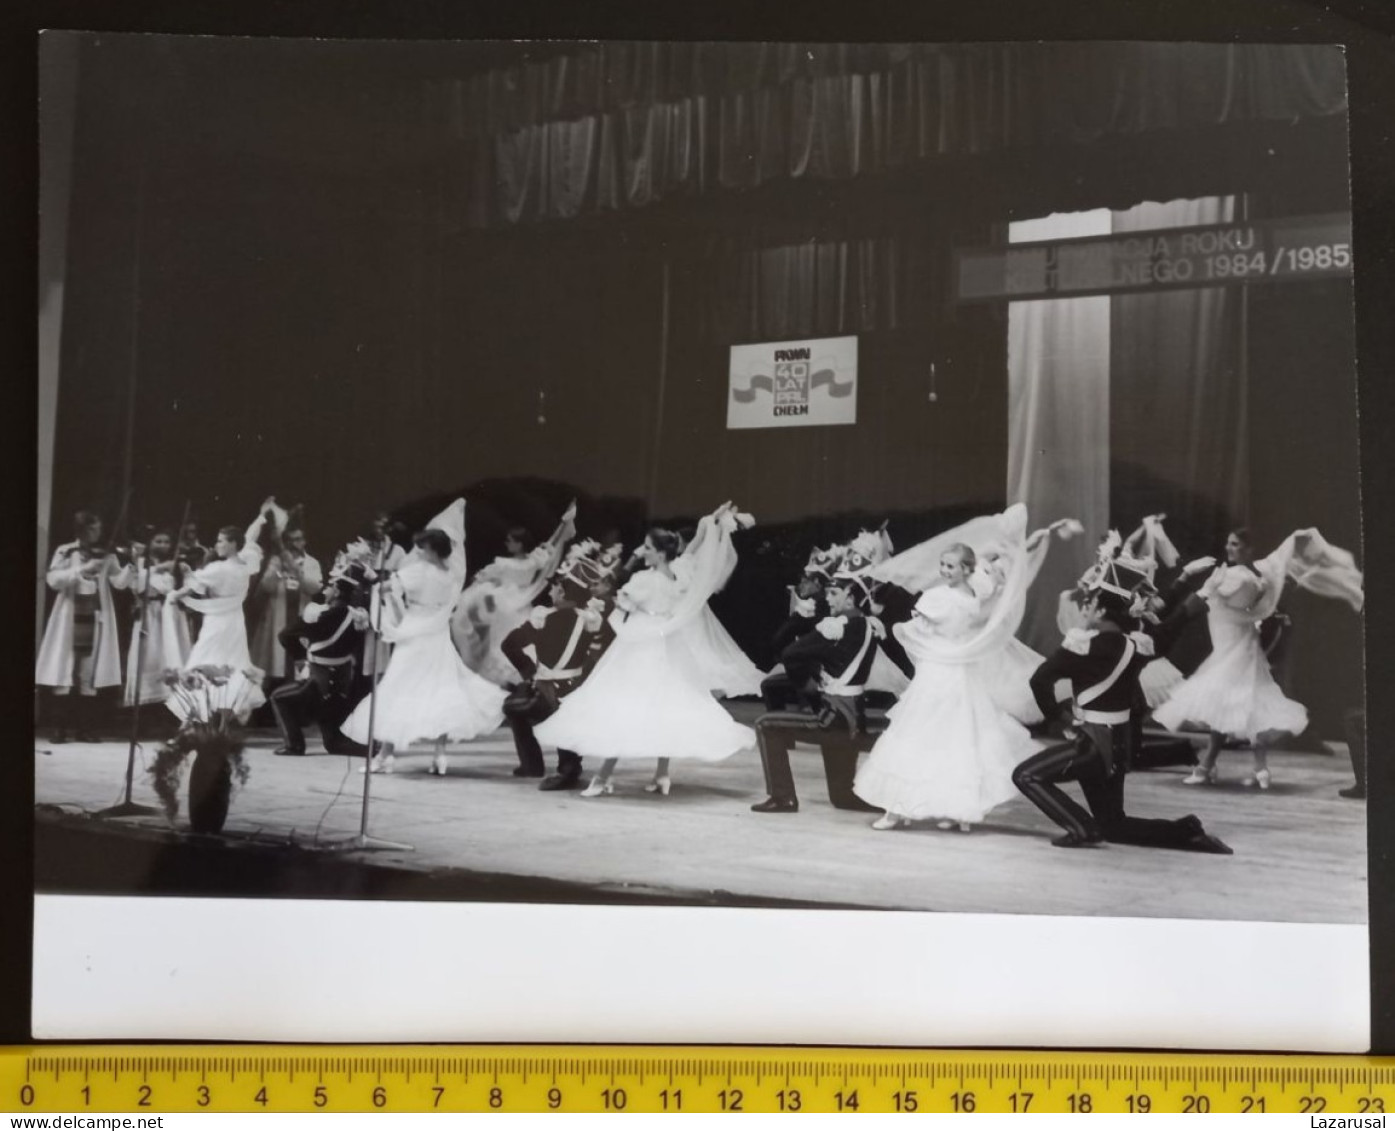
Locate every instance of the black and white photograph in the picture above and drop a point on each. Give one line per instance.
(901, 484)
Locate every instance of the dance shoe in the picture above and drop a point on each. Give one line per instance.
(889, 821)
(560, 781)
(776, 805)
(1205, 842)
(1200, 776)
(439, 765)
(597, 787)
(1075, 840)
(659, 785)
(528, 772)
(855, 804)
(379, 764)
(1261, 778)
(1354, 793)
(287, 751)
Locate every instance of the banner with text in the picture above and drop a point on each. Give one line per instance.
(1260, 251)
(789, 384)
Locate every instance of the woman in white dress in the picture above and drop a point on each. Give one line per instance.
(650, 696)
(950, 750)
(217, 592)
(160, 640)
(1233, 693)
(427, 694)
(953, 741)
(501, 595)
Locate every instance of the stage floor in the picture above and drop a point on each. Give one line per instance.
(1300, 850)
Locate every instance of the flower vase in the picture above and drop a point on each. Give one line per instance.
(210, 790)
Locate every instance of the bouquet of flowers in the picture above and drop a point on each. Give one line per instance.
(212, 702)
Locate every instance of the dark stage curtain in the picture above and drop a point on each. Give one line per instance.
(623, 125)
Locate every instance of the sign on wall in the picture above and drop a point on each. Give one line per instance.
(790, 384)
(1262, 251)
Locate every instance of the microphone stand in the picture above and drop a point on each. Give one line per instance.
(364, 841)
(127, 807)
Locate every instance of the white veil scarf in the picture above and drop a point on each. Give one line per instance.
(702, 570)
(396, 626)
(1001, 538)
(1307, 559)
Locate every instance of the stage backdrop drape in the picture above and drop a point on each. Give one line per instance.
(1126, 406)
(1058, 420)
(1180, 434)
(613, 126)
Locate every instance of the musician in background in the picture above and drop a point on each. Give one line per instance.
(290, 581)
(81, 653)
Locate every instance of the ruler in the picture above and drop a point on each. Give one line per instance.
(536, 1078)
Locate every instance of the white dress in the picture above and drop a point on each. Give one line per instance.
(427, 691)
(222, 587)
(950, 750)
(650, 696)
(160, 638)
(1233, 692)
(496, 602)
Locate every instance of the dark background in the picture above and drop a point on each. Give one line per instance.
(260, 294)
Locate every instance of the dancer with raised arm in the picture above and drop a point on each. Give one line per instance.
(1101, 659)
(290, 580)
(427, 693)
(1233, 693)
(649, 697)
(951, 746)
(501, 596)
(216, 592)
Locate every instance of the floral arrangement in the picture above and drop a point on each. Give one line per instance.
(212, 702)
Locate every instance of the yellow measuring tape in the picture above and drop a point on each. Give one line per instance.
(308, 1078)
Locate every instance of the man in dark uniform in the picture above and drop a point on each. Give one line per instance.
(830, 667)
(327, 641)
(554, 651)
(1101, 662)
(807, 608)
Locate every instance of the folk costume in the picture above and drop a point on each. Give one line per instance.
(427, 693)
(1233, 693)
(290, 581)
(220, 589)
(1102, 663)
(500, 598)
(829, 666)
(952, 744)
(80, 649)
(554, 651)
(806, 608)
(649, 696)
(326, 645)
(160, 638)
